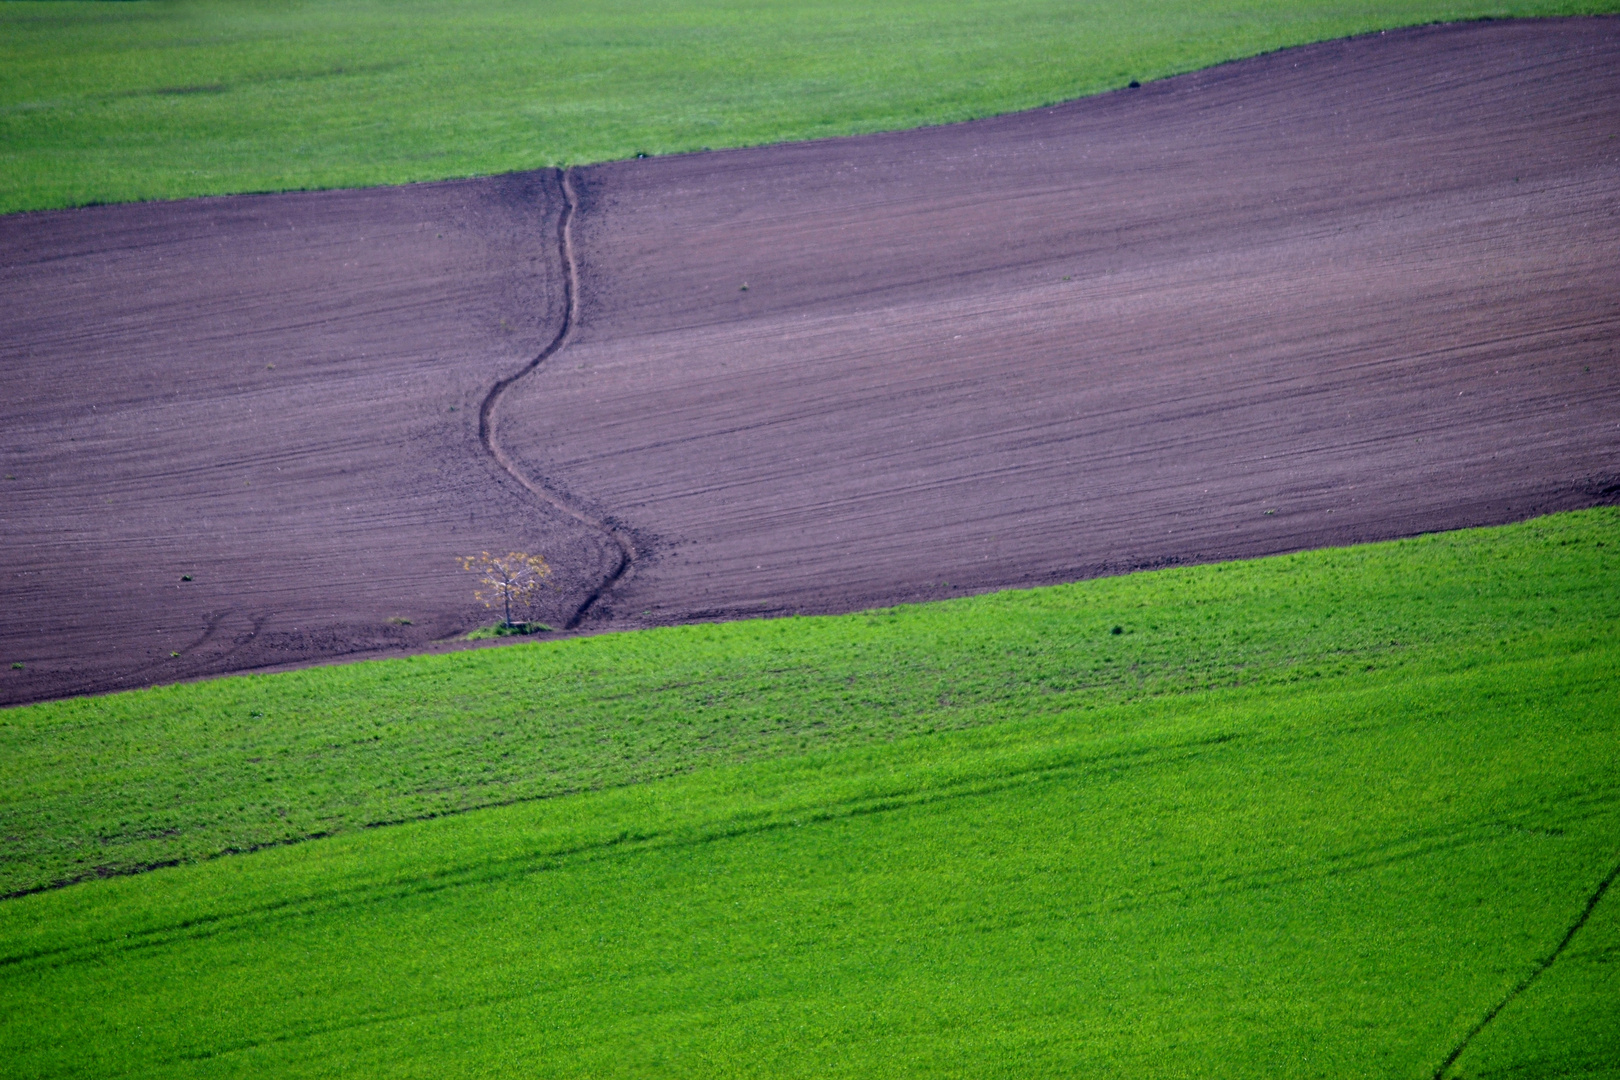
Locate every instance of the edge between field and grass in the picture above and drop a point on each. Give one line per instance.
(128, 782)
(133, 101)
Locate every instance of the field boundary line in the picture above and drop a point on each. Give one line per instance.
(486, 412)
(1525, 983)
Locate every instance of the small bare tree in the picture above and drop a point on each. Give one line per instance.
(507, 579)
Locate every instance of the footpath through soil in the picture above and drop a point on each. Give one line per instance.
(1346, 292)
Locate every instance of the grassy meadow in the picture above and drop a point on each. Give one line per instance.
(1312, 815)
(162, 99)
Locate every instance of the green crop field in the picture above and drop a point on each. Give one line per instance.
(119, 101)
(1314, 815)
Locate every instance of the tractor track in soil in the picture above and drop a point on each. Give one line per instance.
(486, 412)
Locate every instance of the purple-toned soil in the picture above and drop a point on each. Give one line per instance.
(1346, 292)
(277, 395)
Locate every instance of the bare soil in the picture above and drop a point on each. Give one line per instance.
(277, 396)
(1347, 292)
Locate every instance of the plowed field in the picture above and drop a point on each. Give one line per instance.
(1344, 292)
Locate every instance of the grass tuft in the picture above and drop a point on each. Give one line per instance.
(501, 629)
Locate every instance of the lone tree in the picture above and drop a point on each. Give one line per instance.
(514, 577)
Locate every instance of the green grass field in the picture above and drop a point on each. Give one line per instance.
(1305, 816)
(120, 101)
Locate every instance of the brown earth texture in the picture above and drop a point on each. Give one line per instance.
(1346, 292)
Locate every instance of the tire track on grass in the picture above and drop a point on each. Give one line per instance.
(1529, 980)
(486, 413)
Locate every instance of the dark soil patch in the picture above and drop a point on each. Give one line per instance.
(1346, 292)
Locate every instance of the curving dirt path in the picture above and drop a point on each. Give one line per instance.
(1351, 291)
(486, 416)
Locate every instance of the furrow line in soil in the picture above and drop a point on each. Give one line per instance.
(486, 414)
